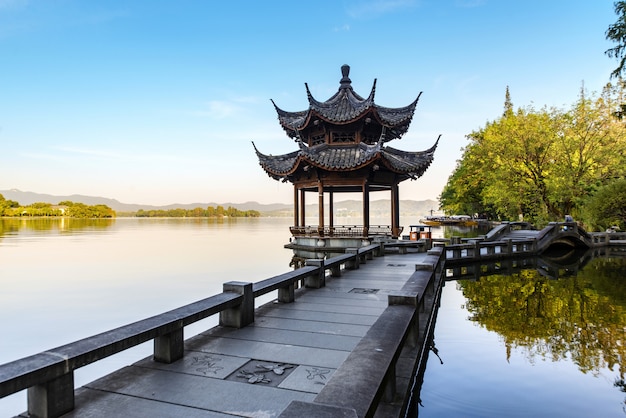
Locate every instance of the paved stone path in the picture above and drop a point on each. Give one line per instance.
(289, 353)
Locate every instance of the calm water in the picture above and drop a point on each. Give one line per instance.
(63, 280)
(528, 345)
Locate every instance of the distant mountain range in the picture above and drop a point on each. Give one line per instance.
(346, 207)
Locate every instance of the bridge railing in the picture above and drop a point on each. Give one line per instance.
(504, 228)
(369, 373)
(486, 250)
(49, 376)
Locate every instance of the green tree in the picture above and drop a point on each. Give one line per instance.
(462, 194)
(7, 207)
(607, 207)
(543, 163)
(617, 33)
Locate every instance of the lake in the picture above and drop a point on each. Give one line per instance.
(66, 279)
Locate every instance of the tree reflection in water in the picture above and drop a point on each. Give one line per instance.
(582, 317)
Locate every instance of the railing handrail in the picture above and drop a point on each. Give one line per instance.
(38, 368)
(58, 362)
(382, 345)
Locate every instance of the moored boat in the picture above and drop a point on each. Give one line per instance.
(458, 220)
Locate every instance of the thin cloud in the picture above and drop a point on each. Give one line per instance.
(103, 154)
(375, 8)
(343, 28)
(470, 4)
(224, 109)
(12, 4)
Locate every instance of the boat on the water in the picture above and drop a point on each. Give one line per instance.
(457, 220)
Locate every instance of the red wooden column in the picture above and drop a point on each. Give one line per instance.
(320, 192)
(302, 208)
(296, 208)
(366, 208)
(331, 204)
(395, 211)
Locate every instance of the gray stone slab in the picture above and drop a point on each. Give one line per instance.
(98, 404)
(348, 300)
(271, 352)
(299, 409)
(321, 316)
(337, 295)
(308, 379)
(313, 326)
(282, 336)
(371, 285)
(217, 366)
(239, 399)
(333, 308)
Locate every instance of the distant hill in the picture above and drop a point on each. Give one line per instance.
(377, 207)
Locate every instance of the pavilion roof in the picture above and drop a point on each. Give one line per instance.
(347, 106)
(347, 158)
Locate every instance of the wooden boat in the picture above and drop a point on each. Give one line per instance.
(455, 220)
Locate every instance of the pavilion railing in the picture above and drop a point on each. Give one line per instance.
(341, 231)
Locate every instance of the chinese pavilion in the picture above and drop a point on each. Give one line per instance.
(343, 149)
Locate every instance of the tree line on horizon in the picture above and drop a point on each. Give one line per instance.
(209, 212)
(11, 208)
(67, 208)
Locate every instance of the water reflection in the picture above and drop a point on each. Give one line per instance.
(582, 317)
(560, 323)
(11, 226)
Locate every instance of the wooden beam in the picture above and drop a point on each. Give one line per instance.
(331, 214)
(395, 210)
(302, 208)
(296, 208)
(366, 207)
(320, 194)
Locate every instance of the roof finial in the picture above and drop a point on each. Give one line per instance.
(345, 80)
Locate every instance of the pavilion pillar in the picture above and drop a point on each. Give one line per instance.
(331, 204)
(320, 199)
(302, 208)
(366, 208)
(395, 211)
(296, 208)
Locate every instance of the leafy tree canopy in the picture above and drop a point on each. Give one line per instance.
(617, 33)
(607, 207)
(540, 164)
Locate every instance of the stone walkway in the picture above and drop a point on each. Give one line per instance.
(289, 353)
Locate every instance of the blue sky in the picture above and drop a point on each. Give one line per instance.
(157, 102)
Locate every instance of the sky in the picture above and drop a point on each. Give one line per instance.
(157, 102)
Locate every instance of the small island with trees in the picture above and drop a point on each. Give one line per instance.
(11, 208)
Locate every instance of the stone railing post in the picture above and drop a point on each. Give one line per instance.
(335, 271)
(52, 398)
(242, 315)
(287, 294)
(169, 347)
(353, 265)
(317, 280)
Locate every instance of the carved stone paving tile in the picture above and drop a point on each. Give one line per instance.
(202, 364)
(364, 290)
(262, 372)
(307, 379)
